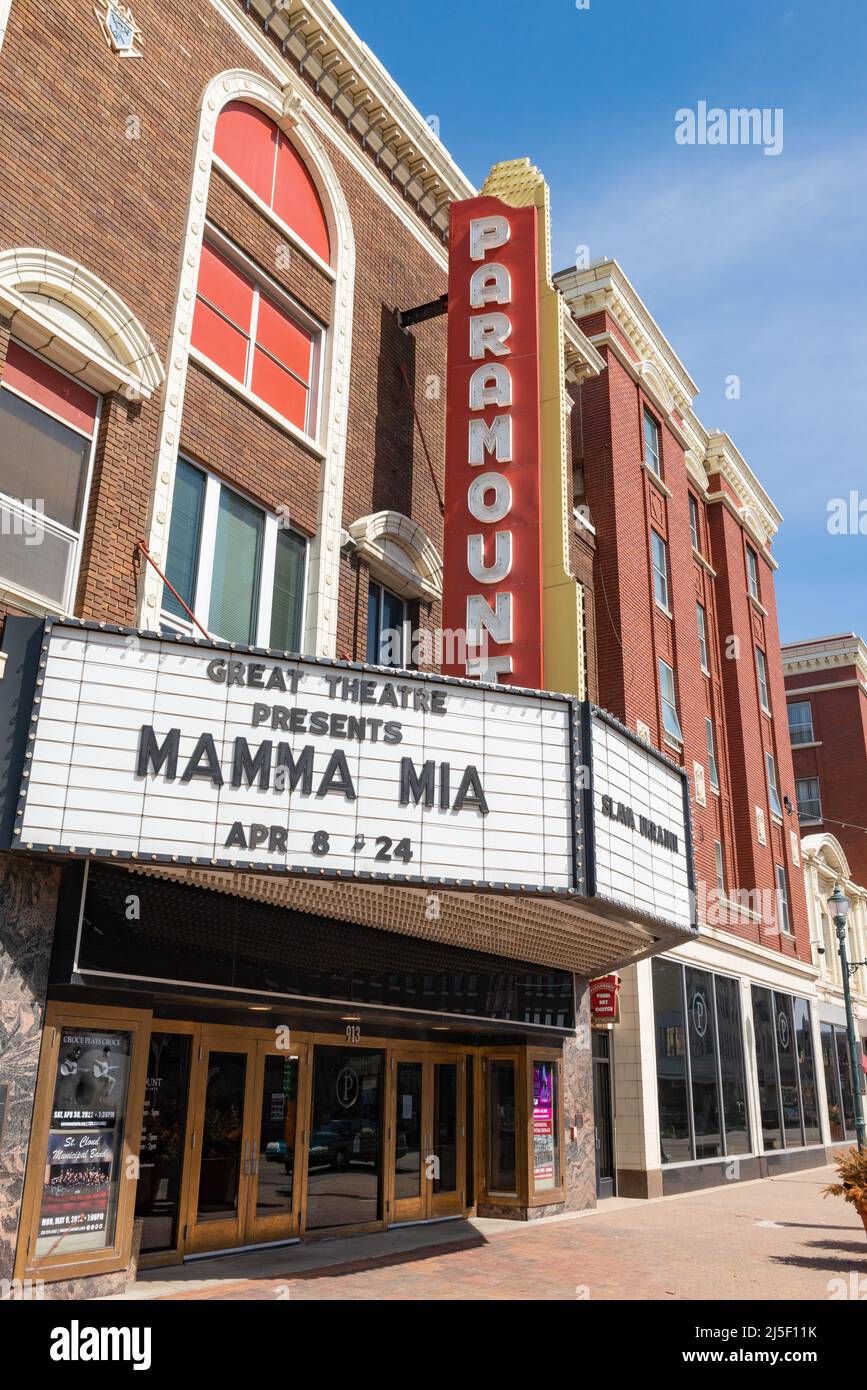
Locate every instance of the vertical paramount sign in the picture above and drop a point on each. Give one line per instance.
(493, 546)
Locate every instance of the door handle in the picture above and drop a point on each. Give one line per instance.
(246, 1166)
(254, 1158)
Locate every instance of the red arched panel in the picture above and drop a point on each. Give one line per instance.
(297, 201)
(246, 140)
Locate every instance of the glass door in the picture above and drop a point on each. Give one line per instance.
(221, 1143)
(278, 1103)
(429, 1136)
(603, 1111)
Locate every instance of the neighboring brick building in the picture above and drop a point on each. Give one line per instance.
(688, 654)
(826, 690)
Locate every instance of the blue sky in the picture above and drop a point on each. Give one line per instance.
(753, 265)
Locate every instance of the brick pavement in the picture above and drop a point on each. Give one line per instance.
(769, 1240)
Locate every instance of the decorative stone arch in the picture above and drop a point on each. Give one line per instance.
(287, 106)
(64, 311)
(757, 523)
(650, 373)
(826, 849)
(400, 553)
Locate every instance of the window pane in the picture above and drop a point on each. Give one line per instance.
(42, 461)
(733, 1079)
(408, 1137)
(446, 1126)
(702, 1057)
(284, 339)
(32, 556)
(693, 521)
(766, 1064)
(246, 140)
(670, 721)
(391, 637)
(344, 1183)
(279, 389)
(804, 1044)
(651, 443)
(222, 284)
(801, 721)
(832, 1084)
(297, 201)
(220, 1173)
(502, 1172)
(374, 595)
(785, 1028)
(288, 601)
(162, 1139)
(671, 1062)
(278, 1122)
(237, 565)
(809, 800)
(222, 344)
(844, 1064)
(660, 569)
(773, 789)
(702, 636)
(182, 559)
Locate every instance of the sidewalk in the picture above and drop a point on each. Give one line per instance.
(772, 1239)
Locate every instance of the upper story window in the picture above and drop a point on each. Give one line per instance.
(711, 755)
(762, 674)
(255, 335)
(660, 570)
(783, 914)
(48, 425)
(668, 701)
(386, 616)
(809, 799)
(753, 574)
(720, 866)
(801, 721)
(701, 621)
(240, 571)
(694, 531)
(253, 148)
(773, 786)
(652, 453)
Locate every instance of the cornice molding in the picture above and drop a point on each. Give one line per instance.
(757, 511)
(582, 359)
(825, 653)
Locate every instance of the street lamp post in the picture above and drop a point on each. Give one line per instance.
(839, 905)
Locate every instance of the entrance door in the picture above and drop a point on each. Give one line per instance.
(243, 1143)
(428, 1134)
(604, 1112)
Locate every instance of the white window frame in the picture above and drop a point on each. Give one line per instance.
(694, 530)
(713, 768)
(784, 915)
(701, 622)
(670, 704)
(754, 588)
(794, 704)
(201, 604)
(774, 799)
(29, 516)
(817, 799)
(262, 282)
(762, 678)
(652, 455)
(661, 574)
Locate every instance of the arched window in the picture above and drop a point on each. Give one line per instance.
(258, 153)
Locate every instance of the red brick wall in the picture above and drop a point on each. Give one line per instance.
(839, 759)
(119, 206)
(632, 634)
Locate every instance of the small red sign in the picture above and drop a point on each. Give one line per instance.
(492, 600)
(603, 998)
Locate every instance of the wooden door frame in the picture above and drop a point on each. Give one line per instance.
(215, 1040)
(553, 1196)
(456, 1199)
(157, 1259)
(257, 1229)
(116, 1258)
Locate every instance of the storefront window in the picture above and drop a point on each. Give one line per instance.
(546, 1127)
(701, 1078)
(732, 1071)
(807, 1068)
(786, 1070)
(832, 1084)
(844, 1066)
(703, 1064)
(502, 1155)
(162, 1139)
(81, 1187)
(671, 1076)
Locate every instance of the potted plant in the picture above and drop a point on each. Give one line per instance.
(852, 1171)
